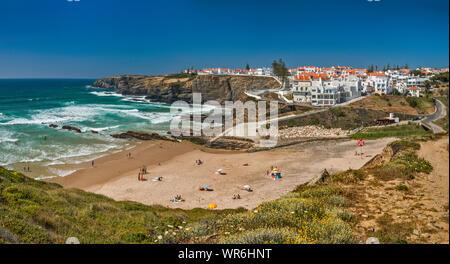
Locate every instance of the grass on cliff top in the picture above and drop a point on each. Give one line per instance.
(397, 103)
(399, 131)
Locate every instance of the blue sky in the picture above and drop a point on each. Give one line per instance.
(97, 38)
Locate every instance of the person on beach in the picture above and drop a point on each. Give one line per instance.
(139, 176)
(92, 163)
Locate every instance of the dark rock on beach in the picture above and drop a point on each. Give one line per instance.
(142, 136)
(71, 128)
(53, 126)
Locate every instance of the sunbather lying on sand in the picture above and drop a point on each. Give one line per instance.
(247, 188)
(206, 188)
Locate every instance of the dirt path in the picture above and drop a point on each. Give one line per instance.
(420, 214)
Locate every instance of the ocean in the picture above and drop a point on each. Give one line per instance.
(29, 106)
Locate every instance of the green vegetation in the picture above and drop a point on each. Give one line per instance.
(338, 117)
(405, 163)
(410, 129)
(391, 231)
(397, 103)
(441, 77)
(307, 215)
(348, 176)
(401, 187)
(37, 212)
(421, 104)
(181, 75)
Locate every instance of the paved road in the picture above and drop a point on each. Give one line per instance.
(441, 111)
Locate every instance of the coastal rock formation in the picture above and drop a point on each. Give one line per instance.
(232, 143)
(321, 178)
(71, 128)
(53, 126)
(170, 88)
(141, 136)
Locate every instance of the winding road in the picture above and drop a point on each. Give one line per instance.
(441, 111)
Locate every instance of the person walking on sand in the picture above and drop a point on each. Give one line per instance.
(92, 163)
(139, 176)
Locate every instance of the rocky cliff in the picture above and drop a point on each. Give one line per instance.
(170, 88)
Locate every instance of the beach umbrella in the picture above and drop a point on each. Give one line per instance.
(207, 186)
(212, 206)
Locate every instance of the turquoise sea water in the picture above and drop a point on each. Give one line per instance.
(28, 107)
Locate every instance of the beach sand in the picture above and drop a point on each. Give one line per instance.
(116, 175)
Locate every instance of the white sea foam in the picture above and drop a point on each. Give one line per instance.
(135, 99)
(61, 172)
(44, 177)
(107, 94)
(98, 129)
(70, 113)
(7, 136)
(153, 117)
(54, 162)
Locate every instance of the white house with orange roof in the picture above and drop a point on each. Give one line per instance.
(379, 81)
(414, 91)
(301, 88)
(321, 90)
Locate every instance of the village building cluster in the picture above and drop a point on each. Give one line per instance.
(328, 86)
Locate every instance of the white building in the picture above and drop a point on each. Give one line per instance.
(379, 82)
(414, 91)
(301, 89)
(322, 91)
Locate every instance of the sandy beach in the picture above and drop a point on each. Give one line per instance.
(116, 175)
